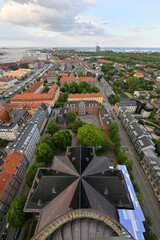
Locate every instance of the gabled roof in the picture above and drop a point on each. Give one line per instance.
(8, 168)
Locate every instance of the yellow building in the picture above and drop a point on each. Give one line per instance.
(86, 97)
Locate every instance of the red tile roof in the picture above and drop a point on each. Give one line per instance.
(81, 79)
(69, 61)
(64, 74)
(36, 97)
(94, 95)
(34, 87)
(8, 168)
(138, 74)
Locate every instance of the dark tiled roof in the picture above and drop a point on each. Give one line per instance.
(77, 180)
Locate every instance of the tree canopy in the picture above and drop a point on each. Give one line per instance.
(76, 125)
(48, 140)
(52, 127)
(44, 153)
(90, 135)
(15, 215)
(71, 116)
(62, 139)
(31, 172)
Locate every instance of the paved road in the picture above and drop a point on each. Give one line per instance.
(151, 204)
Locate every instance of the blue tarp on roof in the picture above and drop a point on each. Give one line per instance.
(132, 220)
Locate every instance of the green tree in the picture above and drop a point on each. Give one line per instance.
(52, 127)
(71, 116)
(80, 74)
(73, 87)
(15, 215)
(48, 140)
(62, 139)
(59, 77)
(8, 101)
(30, 173)
(44, 153)
(19, 92)
(90, 135)
(76, 125)
(107, 145)
(46, 89)
(95, 89)
(23, 89)
(84, 87)
(157, 90)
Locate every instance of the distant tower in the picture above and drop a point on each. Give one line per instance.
(97, 49)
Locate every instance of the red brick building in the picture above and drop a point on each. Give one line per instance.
(11, 175)
(83, 107)
(104, 119)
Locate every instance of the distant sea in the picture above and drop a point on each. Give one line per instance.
(114, 49)
(15, 54)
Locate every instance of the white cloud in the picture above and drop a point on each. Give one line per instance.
(141, 28)
(120, 22)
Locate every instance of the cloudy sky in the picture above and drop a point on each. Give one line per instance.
(80, 23)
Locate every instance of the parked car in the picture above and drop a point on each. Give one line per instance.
(4, 235)
(17, 232)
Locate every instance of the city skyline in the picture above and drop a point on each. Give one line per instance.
(69, 23)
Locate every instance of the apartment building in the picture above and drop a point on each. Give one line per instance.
(11, 129)
(106, 87)
(40, 117)
(37, 87)
(151, 166)
(83, 107)
(68, 80)
(26, 142)
(49, 98)
(11, 175)
(86, 97)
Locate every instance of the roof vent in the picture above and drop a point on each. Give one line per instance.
(73, 158)
(53, 190)
(39, 203)
(69, 153)
(120, 203)
(106, 191)
(37, 180)
(32, 190)
(87, 159)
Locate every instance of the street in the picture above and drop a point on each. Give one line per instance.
(151, 204)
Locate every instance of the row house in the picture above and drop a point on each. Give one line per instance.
(130, 105)
(37, 87)
(68, 80)
(126, 118)
(6, 83)
(104, 119)
(151, 167)
(11, 176)
(83, 107)
(86, 97)
(26, 142)
(40, 117)
(106, 87)
(138, 135)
